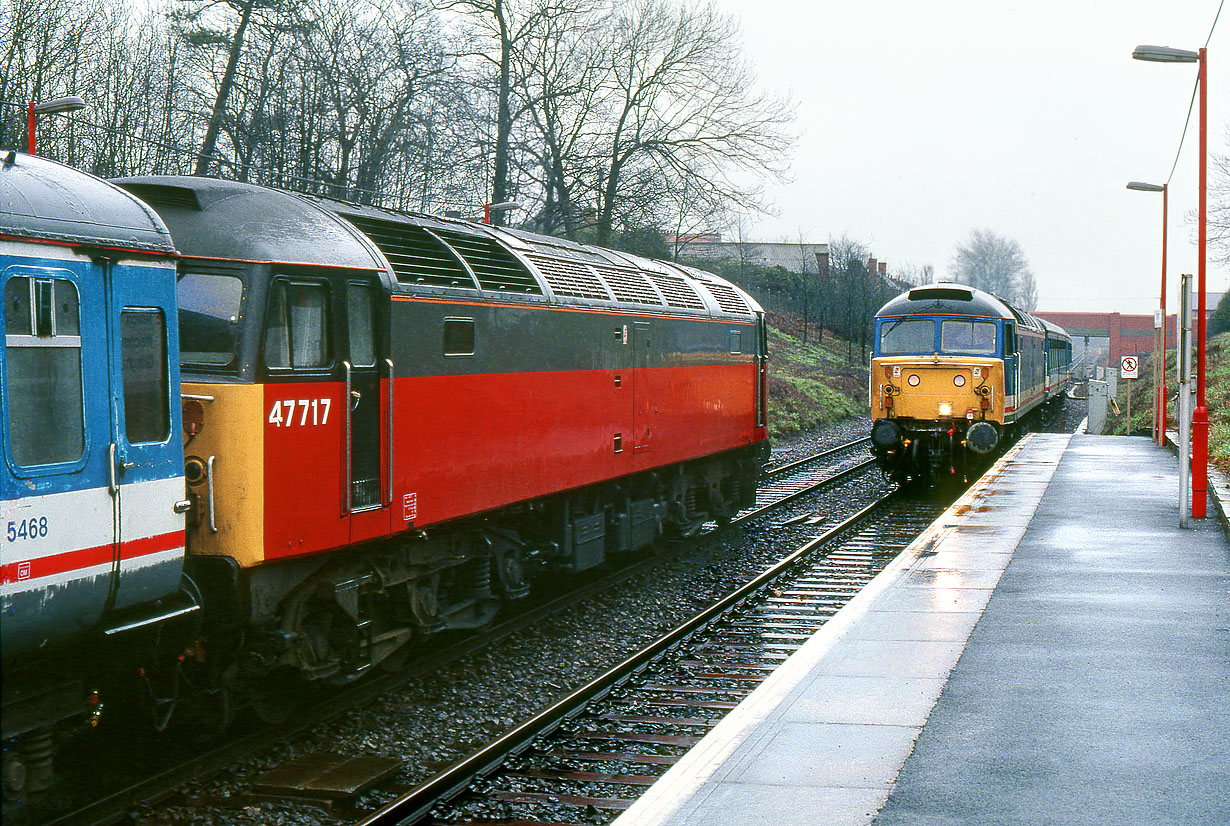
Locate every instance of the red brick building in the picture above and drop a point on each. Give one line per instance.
(1127, 334)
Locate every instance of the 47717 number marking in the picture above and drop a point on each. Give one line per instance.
(312, 412)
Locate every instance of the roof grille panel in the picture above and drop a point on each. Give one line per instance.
(163, 195)
(495, 267)
(729, 300)
(416, 255)
(677, 292)
(570, 278)
(628, 285)
(940, 294)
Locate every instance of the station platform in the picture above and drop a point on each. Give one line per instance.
(1054, 649)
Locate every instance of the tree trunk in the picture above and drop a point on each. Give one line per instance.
(503, 128)
(205, 158)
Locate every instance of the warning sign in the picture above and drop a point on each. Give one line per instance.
(1128, 367)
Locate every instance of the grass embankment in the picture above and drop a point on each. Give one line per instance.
(812, 384)
(1217, 396)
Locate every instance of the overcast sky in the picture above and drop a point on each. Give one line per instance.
(921, 121)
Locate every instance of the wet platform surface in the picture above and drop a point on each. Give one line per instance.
(1055, 649)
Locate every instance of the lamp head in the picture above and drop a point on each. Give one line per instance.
(1165, 54)
(1143, 187)
(71, 103)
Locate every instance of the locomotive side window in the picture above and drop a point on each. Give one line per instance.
(297, 331)
(360, 325)
(736, 344)
(458, 336)
(208, 317)
(907, 335)
(143, 350)
(967, 337)
(42, 353)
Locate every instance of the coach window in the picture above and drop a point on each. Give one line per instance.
(42, 354)
(968, 337)
(907, 335)
(458, 336)
(297, 330)
(143, 349)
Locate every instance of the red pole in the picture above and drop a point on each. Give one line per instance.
(30, 129)
(486, 213)
(1161, 431)
(1200, 417)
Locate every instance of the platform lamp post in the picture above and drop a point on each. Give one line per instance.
(71, 103)
(1159, 335)
(1200, 417)
(503, 206)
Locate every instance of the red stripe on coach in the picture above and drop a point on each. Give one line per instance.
(46, 566)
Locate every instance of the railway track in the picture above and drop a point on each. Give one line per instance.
(583, 760)
(782, 486)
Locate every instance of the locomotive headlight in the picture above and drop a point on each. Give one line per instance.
(913, 380)
(958, 380)
(194, 470)
(945, 409)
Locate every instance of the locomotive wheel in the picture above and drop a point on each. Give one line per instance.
(276, 696)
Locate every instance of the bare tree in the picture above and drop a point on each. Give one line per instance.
(375, 62)
(511, 26)
(1217, 219)
(680, 105)
(996, 264)
(199, 21)
(913, 274)
(48, 46)
(560, 71)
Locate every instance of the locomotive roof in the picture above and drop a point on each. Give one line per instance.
(958, 299)
(43, 200)
(423, 253)
(430, 254)
(212, 218)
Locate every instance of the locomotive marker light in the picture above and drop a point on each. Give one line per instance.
(1159, 336)
(70, 103)
(1200, 417)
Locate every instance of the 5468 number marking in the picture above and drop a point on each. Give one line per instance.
(312, 412)
(33, 528)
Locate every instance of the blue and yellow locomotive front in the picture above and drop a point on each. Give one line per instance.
(943, 381)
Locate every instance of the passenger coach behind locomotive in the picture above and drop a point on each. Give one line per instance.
(92, 487)
(396, 419)
(956, 372)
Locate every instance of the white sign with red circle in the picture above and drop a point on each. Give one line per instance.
(1128, 367)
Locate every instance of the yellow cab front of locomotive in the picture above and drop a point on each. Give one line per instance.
(937, 388)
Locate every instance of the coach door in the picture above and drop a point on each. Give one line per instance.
(642, 381)
(56, 515)
(366, 412)
(145, 454)
(1012, 372)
